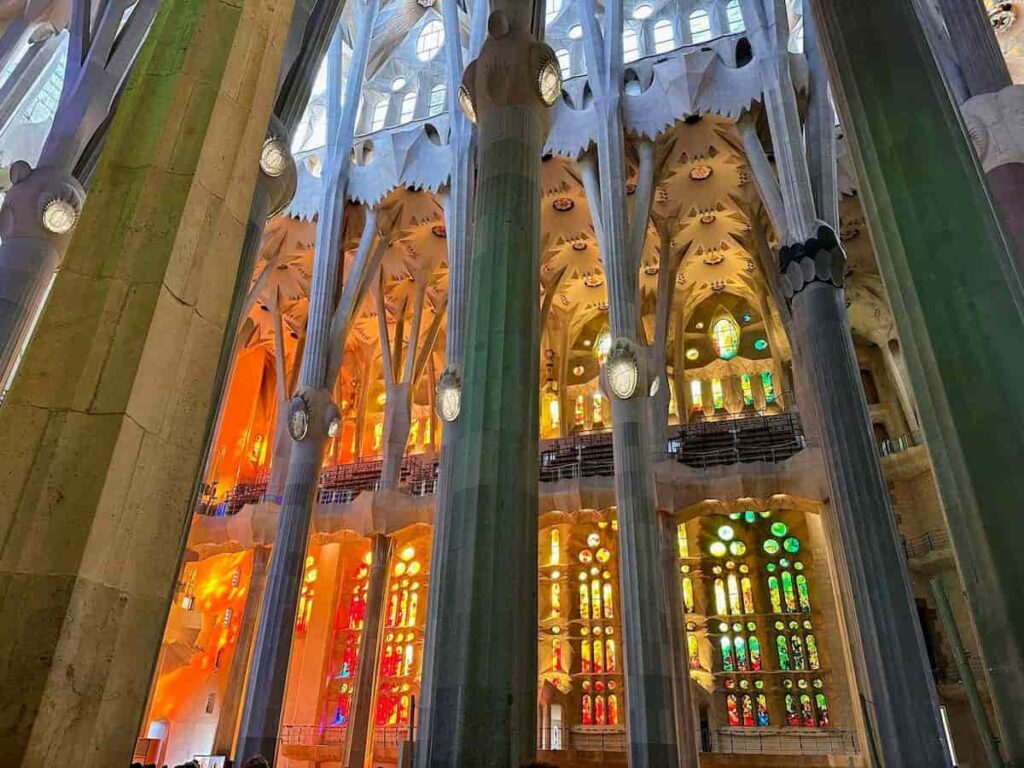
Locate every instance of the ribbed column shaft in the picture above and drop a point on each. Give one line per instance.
(481, 688)
(359, 739)
(957, 299)
(27, 266)
(889, 653)
(981, 62)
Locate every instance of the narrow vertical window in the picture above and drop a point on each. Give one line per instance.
(734, 17)
(408, 107)
(664, 36)
(630, 46)
(700, 26)
(437, 96)
(377, 120)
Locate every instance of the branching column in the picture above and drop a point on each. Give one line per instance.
(957, 300)
(313, 414)
(889, 652)
(482, 689)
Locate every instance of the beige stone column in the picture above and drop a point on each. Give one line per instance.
(102, 433)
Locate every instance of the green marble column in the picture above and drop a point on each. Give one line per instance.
(959, 306)
(484, 683)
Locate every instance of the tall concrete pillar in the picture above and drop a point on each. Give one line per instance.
(311, 416)
(889, 654)
(103, 430)
(359, 738)
(482, 686)
(960, 318)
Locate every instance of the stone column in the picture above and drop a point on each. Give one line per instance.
(958, 317)
(109, 406)
(359, 738)
(888, 650)
(227, 720)
(311, 414)
(482, 686)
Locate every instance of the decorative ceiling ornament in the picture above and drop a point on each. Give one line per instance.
(59, 216)
(630, 188)
(661, 195)
(701, 172)
(426, 3)
(563, 204)
(718, 286)
(707, 218)
(593, 279)
(650, 269)
(274, 158)
(750, 265)
(711, 258)
(439, 230)
(578, 370)
(848, 231)
(622, 370)
(579, 245)
(549, 81)
(680, 278)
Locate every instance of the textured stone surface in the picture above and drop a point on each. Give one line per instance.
(104, 426)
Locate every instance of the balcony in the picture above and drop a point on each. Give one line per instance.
(738, 440)
(792, 741)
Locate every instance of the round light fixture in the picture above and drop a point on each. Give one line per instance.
(623, 373)
(760, 345)
(642, 12)
(398, 84)
(578, 370)
(274, 158)
(59, 216)
(575, 32)
(334, 427)
(549, 82)
(466, 102)
(692, 354)
(699, 326)
(298, 418)
(449, 396)
(655, 386)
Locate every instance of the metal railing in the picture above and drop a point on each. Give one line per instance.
(896, 445)
(926, 543)
(309, 735)
(754, 741)
(582, 738)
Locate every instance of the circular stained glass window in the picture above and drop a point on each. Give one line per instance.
(787, 684)
(760, 345)
(817, 682)
(717, 549)
(723, 627)
(784, 562)
(737, 627)
(744, 569)
(771, 546)
(779, 528)
(593, 539)
(726, 533)
(770, 567)
(798, 565)
(750, 516)
(751, 626)
(603, 555)
(737, 548)
(734, 515)
(586, 556)
(802, 684)
(759, 684)
(744, 684)
(792, 545)
(780, 626)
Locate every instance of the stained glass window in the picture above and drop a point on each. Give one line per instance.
(606, 599)
(747, 389)
(682, 542)
(773, 591)
(748, 711)
(740, 645)
(610, 659)
(598, 656)
(613, 709)
(556, 546)
(377, 120)
(734, 595)
(599, 714)
(587, 712)
(721, 606)
(717, 395)
(732, 709)
(787, 590)
(822, 703)
(762, 710)
(792, 718)
(797, 643)
(768, 386)
(556, 599)
(734, 16)
(688, 594)
(585, 656)
(725, 337)
(782, 648)
(813, 660)
(556, 653)
(754, 646)
(691, 647)
(696, 396)
(595, 599)
(803, 592)
(584, 602)
(728, 663)
(806, 712)
(748, 595)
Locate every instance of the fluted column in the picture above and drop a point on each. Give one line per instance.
(359, 737)
(482, 685)
(311, 416)
(889, 654)
(957, 299)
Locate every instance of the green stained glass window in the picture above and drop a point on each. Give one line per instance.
(803, 592)
(717, 549)
(787, 591)
(779, 529)
(782, 649)
(747, 389)
(773, 591)
(791, 545)
(717, 394)
(728, 663)
(750, 516)
(768, 386)
(726, 533)
(771, 546)
(755, 653)
(740, 645)
(813, 659)
(797, 644)
(822, 704)
(737, 548)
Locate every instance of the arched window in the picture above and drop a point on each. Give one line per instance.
(692, 651)
(430, 40)
(595, 599)
(748, 711)
(768, 386)
(732, 710)
(556, 599)
(813, 659)
(747, 389)
(553, 8)
(700, 26)
(408, 107)
(754, 645)
(437, 96)
(584, 601)
(599, 714)
(556, 546)
(728, 660)
(682, 541)
(797, 643)
(664, 36)
(610, 659)
(721, 605)
(734, 16)
(734, 595)
(613, 709)
(687, 594)
(598, 656)
(803, 592)
(740, 647)
(377, 120)
(725, 337)
(748, 595)
(782, 647)
(564, 62)
(586, 713)
(606, 599)
(787, 591)
(717, 394)
(696, 396)
(585, 656)
(773, 592)
(556, 653)
(762, 711)
(630, 46)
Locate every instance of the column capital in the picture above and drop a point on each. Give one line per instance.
(42, 203)
(819, 259)
(995, 123)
